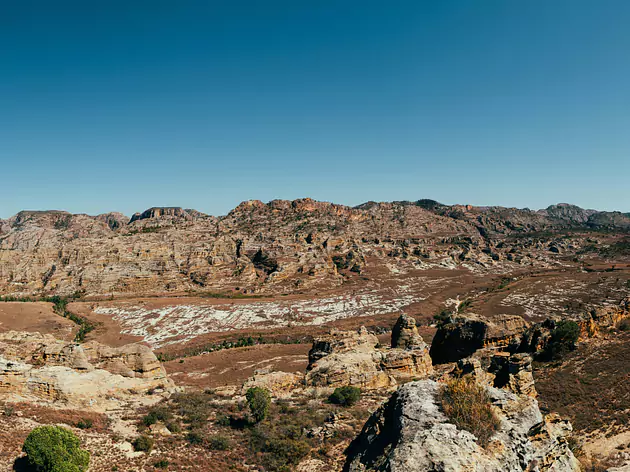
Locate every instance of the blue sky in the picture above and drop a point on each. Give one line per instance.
(122, 105)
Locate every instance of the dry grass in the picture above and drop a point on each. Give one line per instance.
(468, 406)
(93, 421)
(591, 387)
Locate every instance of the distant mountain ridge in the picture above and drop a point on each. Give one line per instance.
(281, 245)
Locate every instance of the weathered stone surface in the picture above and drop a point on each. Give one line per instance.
(405, 333)
(411, 434)
(280, 384)
(311, 244)
(513, 373)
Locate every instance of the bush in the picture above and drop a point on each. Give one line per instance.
(85, 423)
(258, 400)
(284, 452)
(55, 449)
(345, 396)
(161, 464)
(562, 340)
(155, 415)
(219, 443)
(143, 443)
(195, 437)
(624, 325)
(468, 406)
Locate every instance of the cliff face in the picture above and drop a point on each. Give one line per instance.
(278, 246)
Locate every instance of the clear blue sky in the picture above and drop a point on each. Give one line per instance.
(123, 105)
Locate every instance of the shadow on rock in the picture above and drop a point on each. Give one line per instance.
(21, 464)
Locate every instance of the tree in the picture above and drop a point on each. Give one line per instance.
(563, 339)
(55, 449)
(259, 401)
(345, 396)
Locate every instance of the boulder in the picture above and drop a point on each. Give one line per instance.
(356, 358)
(514, 373)
(280, 384)
(405, 333)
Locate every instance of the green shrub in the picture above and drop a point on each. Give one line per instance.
(143, 443)
(195, 437)
(259, 401)
(173, 427)
(55, 449)
(223, 420)
(284, 452)
(219, 443)
(562, 340)
(85, 423)
(345, 396)
(157, 414)
(161, 464)
(468, 406)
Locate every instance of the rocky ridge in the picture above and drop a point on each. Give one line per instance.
(280, 245)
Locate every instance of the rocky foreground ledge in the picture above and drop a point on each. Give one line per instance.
(410, 433)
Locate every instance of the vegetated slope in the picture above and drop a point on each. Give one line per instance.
(281, 246)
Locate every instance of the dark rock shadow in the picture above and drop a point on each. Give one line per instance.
(21, 465)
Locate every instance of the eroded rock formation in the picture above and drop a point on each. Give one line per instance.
(356, 358)
(40, 367)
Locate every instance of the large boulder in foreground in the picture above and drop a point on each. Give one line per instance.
(411, 434)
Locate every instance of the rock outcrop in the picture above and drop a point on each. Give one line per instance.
(347, 358)
(410, 433)
(405, 333)
(465, 335)
(40, 367)
(356, 358)
(280, 384)
(468, 333)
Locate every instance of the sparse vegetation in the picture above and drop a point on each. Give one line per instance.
(157, 414)
(468, 406)
(60, 307)
(55, 449)
(219, 443)
(345, 396)
(463, 305)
